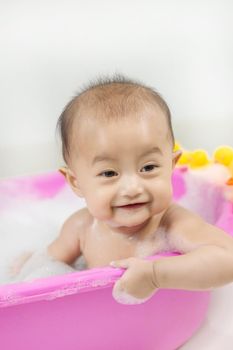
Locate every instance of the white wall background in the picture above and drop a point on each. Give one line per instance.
(49, 48)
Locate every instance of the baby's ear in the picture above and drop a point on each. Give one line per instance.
(71, 179)
(175, 157)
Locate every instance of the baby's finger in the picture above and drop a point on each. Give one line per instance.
(124, 264)
(122, 296)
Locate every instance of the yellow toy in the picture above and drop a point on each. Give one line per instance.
(224, 155)
(199, 158)
(185, 158)
(195, 159)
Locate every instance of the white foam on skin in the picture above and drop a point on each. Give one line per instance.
(28, 225)
(122, 297)
(39, 265)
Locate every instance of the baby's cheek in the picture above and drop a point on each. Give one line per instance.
(99, 205)
(163, 194)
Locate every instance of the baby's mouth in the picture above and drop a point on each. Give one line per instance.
(132, 206)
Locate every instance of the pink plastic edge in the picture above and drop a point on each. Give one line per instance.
(59, 286)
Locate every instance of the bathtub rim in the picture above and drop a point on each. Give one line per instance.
(52, 287)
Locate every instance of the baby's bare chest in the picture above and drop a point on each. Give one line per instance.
(99, 249)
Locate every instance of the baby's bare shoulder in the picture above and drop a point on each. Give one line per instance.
(68, 245)
(177, 217)
(187, 231)
(78, 221)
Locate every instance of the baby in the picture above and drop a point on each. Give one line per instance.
(118, 143)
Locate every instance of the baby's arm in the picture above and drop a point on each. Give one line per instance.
(66, 247)
(208, 254)
(207, 261)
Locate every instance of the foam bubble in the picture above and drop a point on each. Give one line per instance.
(29, 224)
(41, 264)
(122, 297)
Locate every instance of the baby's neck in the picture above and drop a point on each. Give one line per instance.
(141, 231)
(132, 230)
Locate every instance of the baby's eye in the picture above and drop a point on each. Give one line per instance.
(108, 173)
(149, 167)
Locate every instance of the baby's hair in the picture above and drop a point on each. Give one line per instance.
(108, 98)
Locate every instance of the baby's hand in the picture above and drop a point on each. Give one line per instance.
(137, 284)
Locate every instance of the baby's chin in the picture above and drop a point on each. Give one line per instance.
(112, 223)
(125, 226)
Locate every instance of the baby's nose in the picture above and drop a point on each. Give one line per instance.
(131, 187)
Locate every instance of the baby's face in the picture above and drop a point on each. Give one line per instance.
(123, 168)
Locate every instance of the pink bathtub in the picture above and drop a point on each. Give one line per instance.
(76, 311)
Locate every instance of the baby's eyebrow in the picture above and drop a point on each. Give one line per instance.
(106, 157)
(152, 150)
(102, 158)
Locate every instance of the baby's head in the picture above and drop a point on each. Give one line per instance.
(108, 100)
(117, 142)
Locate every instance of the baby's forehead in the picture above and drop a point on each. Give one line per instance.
(107, 100)
(100, 118)
(112, 105)
(102, 131)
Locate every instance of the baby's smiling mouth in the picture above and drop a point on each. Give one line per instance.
(132, 206)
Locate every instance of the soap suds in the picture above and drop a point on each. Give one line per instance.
(123, 297)
(28, 224)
